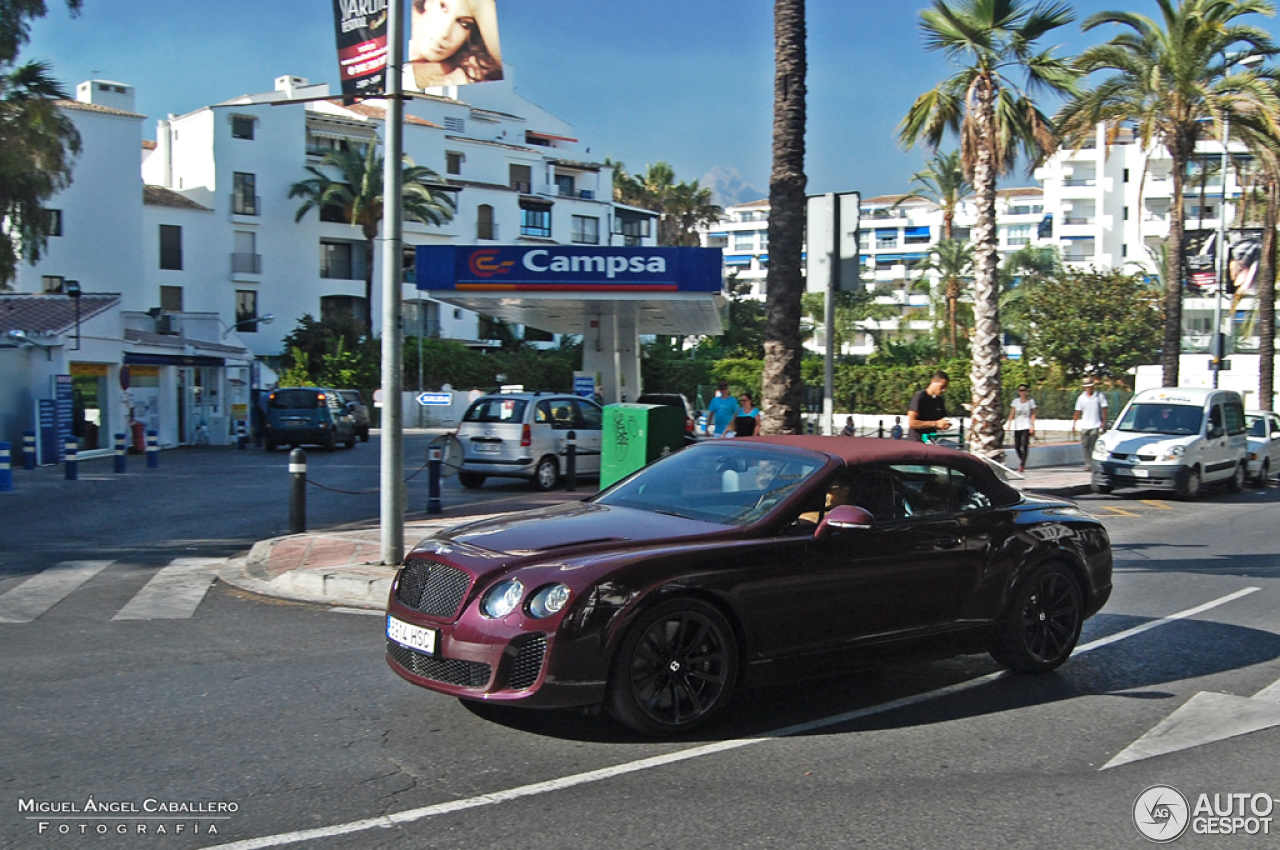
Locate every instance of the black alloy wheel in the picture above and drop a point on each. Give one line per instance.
(1043, 623)
(675, 669)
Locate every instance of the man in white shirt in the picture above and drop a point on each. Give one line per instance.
(1091, 413)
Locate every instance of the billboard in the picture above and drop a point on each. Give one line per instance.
(361, 28)
(1244, 250)
(453, 42)
(519, 268)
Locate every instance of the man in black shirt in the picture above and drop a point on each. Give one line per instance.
(927, 413)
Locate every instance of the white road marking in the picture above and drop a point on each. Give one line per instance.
(341, 609)
(592, 776)
(175, 592)
(45, 589)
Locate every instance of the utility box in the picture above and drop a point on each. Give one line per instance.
(636, 434)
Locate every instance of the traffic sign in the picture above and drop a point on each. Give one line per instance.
(433, 399)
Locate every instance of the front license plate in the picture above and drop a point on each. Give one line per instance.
(487, 448)
(414, 637)
(1140, 473)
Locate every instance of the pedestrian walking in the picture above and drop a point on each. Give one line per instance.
(1091, 414)
(895, 432)
(1022, 422)
(927, 413)
(849, 429)
(722, 411)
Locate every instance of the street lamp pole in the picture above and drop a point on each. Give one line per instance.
(391, 475)
(1217, 342)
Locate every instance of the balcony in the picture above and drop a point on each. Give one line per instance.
(246, 263)
(1080, 181)
(1078, 219)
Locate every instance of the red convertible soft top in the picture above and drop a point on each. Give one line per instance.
(859, 450)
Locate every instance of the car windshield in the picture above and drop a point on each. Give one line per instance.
(1257, 426)
(299, 399)
(496, 409)
(1161, 418)
(733, 484)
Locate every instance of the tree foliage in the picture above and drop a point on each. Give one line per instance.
(1093, 323)
(683, 208)
(38, 143)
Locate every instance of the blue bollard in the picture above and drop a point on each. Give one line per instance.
(242, 435)
(28, 450)
(153, 450)
(6, 471)
(120, 458)
(69, 457)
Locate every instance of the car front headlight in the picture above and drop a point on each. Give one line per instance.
(503, 598)
(1100, 450)
(548, 600)
(1172, 453)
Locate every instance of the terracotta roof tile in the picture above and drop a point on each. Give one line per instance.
(159, 196)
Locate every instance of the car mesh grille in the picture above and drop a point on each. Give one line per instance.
(434, 589)
(450, 671)
(528, 663)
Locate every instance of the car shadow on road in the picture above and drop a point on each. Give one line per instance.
(1136, 668)
(1134, 557)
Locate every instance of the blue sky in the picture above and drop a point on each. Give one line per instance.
(685, 81)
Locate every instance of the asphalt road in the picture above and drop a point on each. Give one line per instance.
(287, 715)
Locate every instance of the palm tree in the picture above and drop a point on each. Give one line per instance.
(943, 182)
(357, 197)
(781, 393)
(1169, 79)
(996, 120)
(38, 144)
(953, 261)
(683, 207)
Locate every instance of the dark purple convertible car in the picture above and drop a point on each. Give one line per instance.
(745, 561)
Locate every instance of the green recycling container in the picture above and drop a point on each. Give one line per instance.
(634, 435)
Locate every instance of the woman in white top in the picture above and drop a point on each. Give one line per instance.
(1022, 421)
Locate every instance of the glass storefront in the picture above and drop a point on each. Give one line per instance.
(91, 420)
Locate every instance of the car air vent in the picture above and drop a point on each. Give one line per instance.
(528, 661)
(434, 589)
(1146, 457)
(1119, 456)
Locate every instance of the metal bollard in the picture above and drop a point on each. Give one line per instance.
(6, 470)
(435, 462)
(880, 430)
(153, 450)
(571, 461)
(28, 450)
(69, 458)
(297, 491)
(121, 460)
(242, 435)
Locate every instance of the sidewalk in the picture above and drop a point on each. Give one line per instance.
(344, 569)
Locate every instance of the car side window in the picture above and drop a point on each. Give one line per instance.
(1275, 426)
(542, 413)
(589, 416)
(1234, 418)
(1215, 419)
(926, 489)
(878, 493)
(562, 414)
(969, 496)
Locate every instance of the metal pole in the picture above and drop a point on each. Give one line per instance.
(28, 450)
(571, 461)
(6, 468)
(829, 318)
(121, 460)
(392, 479)
(153, 450)
(71, 469)
(297, 491)
(1217, 342)
(435, 460)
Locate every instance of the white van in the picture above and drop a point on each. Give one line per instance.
(1174, 438)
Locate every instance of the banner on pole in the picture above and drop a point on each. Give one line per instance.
(453, 43)
(361, 27)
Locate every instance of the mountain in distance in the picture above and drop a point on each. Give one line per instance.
(728, 187)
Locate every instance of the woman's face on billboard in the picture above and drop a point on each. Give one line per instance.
(441, 28)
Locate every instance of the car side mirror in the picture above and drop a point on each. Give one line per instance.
(844, 518)
(1215, 431)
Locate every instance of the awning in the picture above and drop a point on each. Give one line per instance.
(171, 360)
(917, 231)
(738, 261)
(549, 136)
(340, 130)
(886, 233)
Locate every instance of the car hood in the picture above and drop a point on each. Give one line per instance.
(1122, 442)
(581, 527)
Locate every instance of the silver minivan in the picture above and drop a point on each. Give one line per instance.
(525, 435)
(1174, 438)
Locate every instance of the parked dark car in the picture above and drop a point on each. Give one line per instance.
(308, 416)
(676, 400)
(740, 562)
(359, 412)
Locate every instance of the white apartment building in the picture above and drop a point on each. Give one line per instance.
(1103, 206)
(195, 231)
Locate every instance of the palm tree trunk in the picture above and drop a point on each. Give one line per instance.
(984, 376)
(781, 380)
(1172, 347)
(1266, 293)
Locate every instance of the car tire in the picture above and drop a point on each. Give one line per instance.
(1264, 474)
(675, 668)
(471, 480)
(1100, 489)
(270, 445)
(330, 442)
(351, 442)
(1042, 624)
(545, 474)
(1236, 483)
(1189, 489)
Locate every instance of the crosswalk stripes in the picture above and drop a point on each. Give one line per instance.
(174, 593)
(45, 589)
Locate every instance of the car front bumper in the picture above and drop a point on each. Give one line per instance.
(1147, 476)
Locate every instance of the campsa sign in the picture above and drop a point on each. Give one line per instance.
(568, 269)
